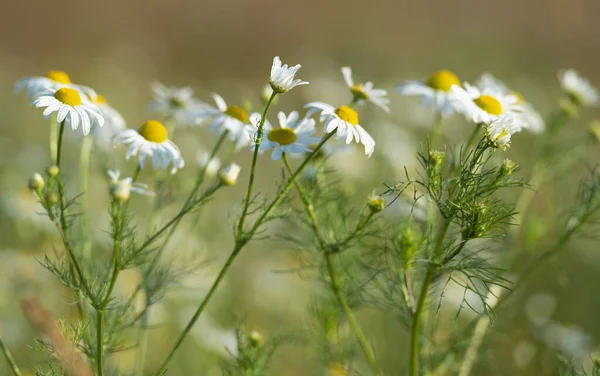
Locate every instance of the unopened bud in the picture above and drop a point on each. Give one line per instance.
(256, 339)
(508, 167)
(408, 245)
(51, 199)
(52, 171)
(376, 204)
(229, 174)
(36, 182)
(120, 190)
(437, 157)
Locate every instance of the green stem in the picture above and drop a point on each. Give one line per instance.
(416, 324)
(52, 138)
(239, 244)
(9, 358)
(259, 135)
(142, 345)
(84, 175)
(100, 342)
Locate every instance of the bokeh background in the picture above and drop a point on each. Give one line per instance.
(120, 47)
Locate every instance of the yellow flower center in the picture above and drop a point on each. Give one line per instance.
(237, 113)
(489, 104)
(347, 114)
(176, 103)
(153, 131)
(68, 96)
(58, 76)
(443, 80)
(519, 97)
(358, 92)
(283, 136)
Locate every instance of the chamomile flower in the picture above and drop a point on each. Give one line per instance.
(293, 136)
(228, 118)
(54, 79)
(113, 122)
(435, 90)
(283, 78)
(366, 92)
(343, 120)
(579, 90)
(212, 166)
(533, 121)
(71, 106)
(151, 140)
(120, 189)
(178, 104)
(229, 174)
(485, 106)
(500, 131)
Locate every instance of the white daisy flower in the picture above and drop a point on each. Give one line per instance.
(34, 86)
(212, 166)
(282, 77)
(178, 104)
(231, 118)
(120, 189)
(500, 131)
(293, 136)
(229, 174)
(366, 92)
(343, 120)
(113, 122)
(71, 106)
(151, 140)
(531, 118)
(579, 90)
(436, 90)
(485, 106)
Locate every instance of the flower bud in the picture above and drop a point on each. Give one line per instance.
(376, 204)
(436, 157)
(52, 171)
(408, 245)
(256, 339)
(229, 174)
(508, 167)
(36, 182)
(120, 190)
(51, 199)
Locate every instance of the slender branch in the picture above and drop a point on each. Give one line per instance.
(9, 359)
(100, 342)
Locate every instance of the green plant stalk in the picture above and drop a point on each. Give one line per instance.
(239, 244)
(362, 340)
(259, 135)
(84, 176)
(52, 139)
(100, 342)
(9, 359)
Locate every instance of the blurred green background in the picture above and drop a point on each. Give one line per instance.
(120, 47)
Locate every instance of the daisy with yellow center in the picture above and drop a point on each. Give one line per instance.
(178, 104)
(283, 78)
(485, 106)
(151, 140)
(366, 92)
(113, 122)
(532, 120)
(34, 86)
(228, 118)
(436, 90)
(500, 131)
(71, 106)
(344, 121)
(579, 90)
(293, 136)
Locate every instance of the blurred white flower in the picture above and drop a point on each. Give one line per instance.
(540, 307)
(532, 120)
(178, 104)
(485, 106)
(151, 140)
(212, 166)
(578, 88)
(436, 90)
(366, 92)
(71, 106)
(500, 131)
(233, 119)
(121, 189)
(293, 136)
(229, 174)
(283, 78)
(344, 121)
(53, 80)
(571, 341)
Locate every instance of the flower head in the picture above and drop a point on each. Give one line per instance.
(176, 103)
(499, 131)
(366, 92)
(283, 78)
(293, 136)
(151, 140)
(233, 119)
(71, 106)
(435, 90)
(343, 120)
(212, 166)
(532, 120)
(54, 79)
(229, 174)
(120, 189)
(485, 106)
(579, 90)
(36, 182)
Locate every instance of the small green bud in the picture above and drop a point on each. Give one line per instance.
(51, 199)
(477, 225)
(437, 157)
(376, 204)
(408, 245)
(52, 171)
(36, 182)
(256, 339)
(229, 174)
(508, 167)
(120, 190)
